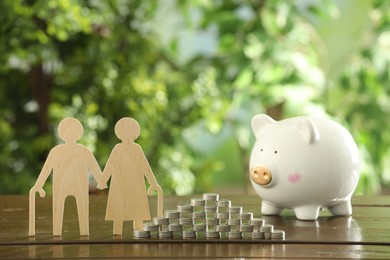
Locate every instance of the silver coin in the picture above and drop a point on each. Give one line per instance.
(277, 234)
(150, 227)
(224, 203)
(189, 234)
(246, 228)
(267, 228)
(222, 228)
(258, 235)
(185, 214)
(234, 222)
(161, 221)
(246, 216)
(172, 214)
(165, 234)
(257, 222)
(223, 221)
(174, 227)
(185, 208)
(212, 221)
(222, 215)
(211, 215)
(234, 234)
(174, 221)
(235, 209)
(199, 227)
(212, 234)
(185, 221)
(141, 233)
(210, 208)
(211, 196)
(198, 220)
(198, 202)
(198, 215)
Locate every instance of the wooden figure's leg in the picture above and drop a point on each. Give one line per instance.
(118, 226)
(83, 212)
(58, 213)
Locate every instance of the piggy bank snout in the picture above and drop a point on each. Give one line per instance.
(261, 175)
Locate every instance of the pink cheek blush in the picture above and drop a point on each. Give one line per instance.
(294, 177)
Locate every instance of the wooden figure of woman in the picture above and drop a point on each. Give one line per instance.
(128, 167)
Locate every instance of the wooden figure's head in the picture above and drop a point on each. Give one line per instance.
(70, 130)
(127, 129)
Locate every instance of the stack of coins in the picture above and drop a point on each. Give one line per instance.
(163, 224)
(223, 216)
(151, 228)
(234, 222)
(211, 209)
(141, 233)
(267, 230)
(277, 234)
(257, 223)
(174, 225)
(211, 218)
(186, 220)
(246, 227)
(223, 211)
(198, 217)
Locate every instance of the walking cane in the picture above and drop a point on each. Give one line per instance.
(31, 218)
(160, 205)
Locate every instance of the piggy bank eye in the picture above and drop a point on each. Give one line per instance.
(275, 152)
(261, 149)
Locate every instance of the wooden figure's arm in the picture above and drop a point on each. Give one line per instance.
(94, 167)
(43, 175)
(153, 184)
(108, 169)
(149, 175)
(148, 171)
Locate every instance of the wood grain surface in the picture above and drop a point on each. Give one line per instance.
(365, 234)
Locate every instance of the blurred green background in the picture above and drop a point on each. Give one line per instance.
(193, 73)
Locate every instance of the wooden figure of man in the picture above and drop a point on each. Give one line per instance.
(70, 163)
(128, 167)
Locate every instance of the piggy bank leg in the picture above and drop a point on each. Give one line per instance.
(268, 208)
(342, 209)
(310, 212)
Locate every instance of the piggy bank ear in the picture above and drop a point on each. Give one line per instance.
(308, 130)
(259, 122)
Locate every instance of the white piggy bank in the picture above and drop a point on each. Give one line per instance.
(304, 164)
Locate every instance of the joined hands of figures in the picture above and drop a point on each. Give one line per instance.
(102, 186)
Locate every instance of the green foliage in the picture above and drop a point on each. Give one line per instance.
(102, 60)
(288, 59)
(103, 65)
(360, 95)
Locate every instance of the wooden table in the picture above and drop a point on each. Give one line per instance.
(365, 234)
